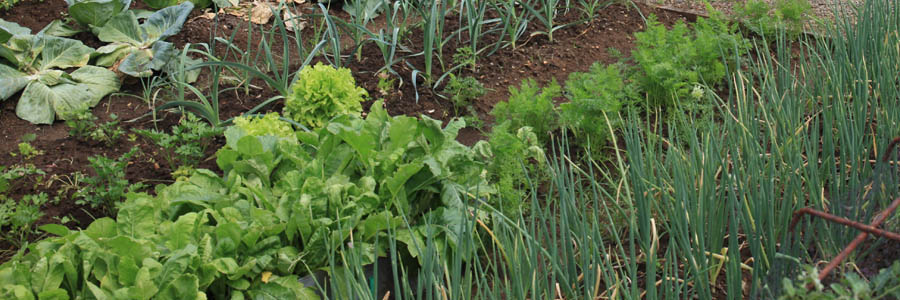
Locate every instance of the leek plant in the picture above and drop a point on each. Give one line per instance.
(514, 21)
(545, 11)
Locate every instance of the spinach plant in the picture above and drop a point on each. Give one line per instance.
(139, 49)
(50, 92)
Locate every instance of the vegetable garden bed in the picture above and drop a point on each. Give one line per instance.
(570, 148)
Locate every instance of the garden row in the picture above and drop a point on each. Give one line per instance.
(661, 176)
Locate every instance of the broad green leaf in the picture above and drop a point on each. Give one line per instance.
(63, 53)
(11, 81)
(141, 63)
(36, 103)
(59, 28)
(183, 287)
(9, 29)
(158, 4)
(96, 12)
(101, 228)
(122, 28)
(56, 229)
(112, 53)
(166, 22)
(54, 294)
(16, 292)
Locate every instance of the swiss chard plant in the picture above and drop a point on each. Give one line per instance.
(38, 66)
(139, 49)
(95, 13)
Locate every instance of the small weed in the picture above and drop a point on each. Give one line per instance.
(26, 149)
(19, 218)
(463, 90)
(83, 126)
(464, 56)
(186, 144)
(109, 187)
(386, 83)
(530, 105)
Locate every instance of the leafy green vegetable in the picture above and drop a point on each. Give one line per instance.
(322, 92)
(96, 13)
(157, 4)
(517, 160)
(268, 125)
(9, 29)
(139, 49)
(277, 213)
(49, 91)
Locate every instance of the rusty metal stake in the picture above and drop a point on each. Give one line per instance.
(866, 230)
(871, 228)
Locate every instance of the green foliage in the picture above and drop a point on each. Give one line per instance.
(26, 149)
(158, 4)
(186, 144)
(672, 62)
(281, 210)
(95, 13)
(322, 92)
(109, 186)
(463, 90)
(787, 15)
(517, 161)
(851, 286)
(268, 125)
(48, 92)
(17, 219)
(464, 56)
(13, 173)
(139, 49)
(8, 4)
(530, 105)
(595, 99)
(83, 126)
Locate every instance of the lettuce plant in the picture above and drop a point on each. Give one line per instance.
(139, 49)
(95, 13)
(268, 125)
(50, 92)
(322, 92)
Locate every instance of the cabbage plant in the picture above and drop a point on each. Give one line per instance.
(95, 13)
(139, 49)
(49, 92)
